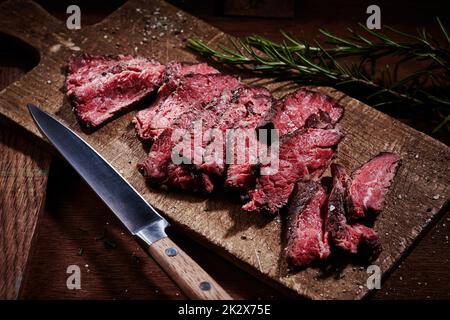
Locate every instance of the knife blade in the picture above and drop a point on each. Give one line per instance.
(137, 215)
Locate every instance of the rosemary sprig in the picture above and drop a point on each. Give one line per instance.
(364, 78)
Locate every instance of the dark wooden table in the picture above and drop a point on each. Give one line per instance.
(74, 227)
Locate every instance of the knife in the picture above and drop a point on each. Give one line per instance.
(138, 216)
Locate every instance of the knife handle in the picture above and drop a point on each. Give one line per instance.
(185, 272)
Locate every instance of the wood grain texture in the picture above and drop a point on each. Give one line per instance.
(23, 178)
(185, 272)
(124, 270)
(253, 241)
(113, 265)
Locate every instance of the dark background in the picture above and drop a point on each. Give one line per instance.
(423, 274)
(268, 17)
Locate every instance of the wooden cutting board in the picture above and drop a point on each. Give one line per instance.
(252, 241)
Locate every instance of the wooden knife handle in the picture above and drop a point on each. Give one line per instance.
(187, 274)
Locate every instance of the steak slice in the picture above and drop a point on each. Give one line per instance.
(154, 167)
(192, 143)
(355, 238)
(307, 241)
(160, 171)
(247, 111)
(100, 87)
(195, 90)
(305, 108)
(301, 109)
(370, 183)
(302, 156)
(175, 72)
(178, 138)
(182, 177)
(174, 77)
(243, 160)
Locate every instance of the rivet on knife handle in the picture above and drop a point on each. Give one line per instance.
(195, 282)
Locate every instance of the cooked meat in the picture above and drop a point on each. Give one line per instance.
(307, 241)
(190, 120)
(370, 183)
(154, 167)
(301, 109)
(246, 112)
(176, 71)
(352, 238)
(243, 159)
(320, 120)
(369, 245)
(192, 146)
(143, 119)
(212, 97)
(182, 177)
(305, 108)
(302, 156)
(100, 87)
(193, 92)
(160, 170)
(175, 74)
(242, 108)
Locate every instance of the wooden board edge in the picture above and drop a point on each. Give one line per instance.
(34, 240)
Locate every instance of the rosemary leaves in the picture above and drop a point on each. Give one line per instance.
(365, 77)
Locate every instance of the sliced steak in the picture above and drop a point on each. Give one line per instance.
(182, 177)
(154, 167)
(243, 159)
(176, 71)
(370, 183)
(307, 241)
(193, 91)
(246, 112)
(305, 108)
(100, 87)
(192, 143)
(159, 167)
(143, 119)
(302, 156)
(352, 238)
(301, 109)
(175, 74)
(161, 172)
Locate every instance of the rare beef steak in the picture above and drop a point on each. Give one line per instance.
(370, 183)
(305, 108)
(303, 155)
(175, 73)
(307, 238)
(351, 238)
(100, 87)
